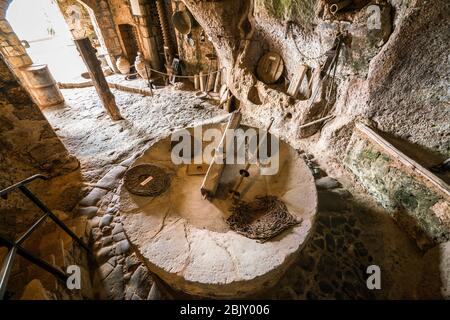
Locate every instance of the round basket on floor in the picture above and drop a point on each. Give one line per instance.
(146, 180)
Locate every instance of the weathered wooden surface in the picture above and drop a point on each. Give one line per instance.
(87, 52)
(406, 161)
(297, 80)
(212, 177)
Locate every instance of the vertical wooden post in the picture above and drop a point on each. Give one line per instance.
(87, 52)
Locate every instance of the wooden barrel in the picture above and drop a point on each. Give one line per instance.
(41, 84)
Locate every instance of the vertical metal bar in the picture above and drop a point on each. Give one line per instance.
(42, 264)
(6, 271)
(44, 208)
(30, 230)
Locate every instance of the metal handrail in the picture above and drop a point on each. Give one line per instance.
(4, 192)
(15, 248)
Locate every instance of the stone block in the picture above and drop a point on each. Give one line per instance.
(155, 293)
(119, 237)
(88, 211)
(105, 220)
(105, 253)
(35, 291)
(435, 283)
(104, 270)
(122, 247)
(14, 51)
(114, 284)
(117, 229)
(5, 27)
(93, 197)
(16, 61)
(111, 179)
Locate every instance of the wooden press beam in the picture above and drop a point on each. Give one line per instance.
(212, 177)
(409, 163)
(297, 80)
(93, 65)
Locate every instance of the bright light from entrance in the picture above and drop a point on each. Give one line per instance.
(41, 24)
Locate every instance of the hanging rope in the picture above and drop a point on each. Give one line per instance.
(185, 77)
(289, 30)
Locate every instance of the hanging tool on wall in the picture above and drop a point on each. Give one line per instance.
(211, 57)
(327, 70)
(244, 172)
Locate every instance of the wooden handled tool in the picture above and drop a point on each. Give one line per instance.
(212, 177)
(244, 172)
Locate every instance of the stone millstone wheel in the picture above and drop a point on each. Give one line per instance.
(137, 180)
(186, 241)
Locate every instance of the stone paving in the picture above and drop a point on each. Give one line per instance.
(332, 265)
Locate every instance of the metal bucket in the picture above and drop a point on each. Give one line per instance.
(41, 84)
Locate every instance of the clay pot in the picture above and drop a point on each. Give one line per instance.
(139, 64)
(123, 65)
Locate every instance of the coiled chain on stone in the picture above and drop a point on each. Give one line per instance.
(262, 219)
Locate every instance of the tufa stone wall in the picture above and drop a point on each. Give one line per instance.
(28, 145)
(26, 135)
(422, 212)
(142, 25)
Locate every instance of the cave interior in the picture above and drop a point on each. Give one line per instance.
(351, 99)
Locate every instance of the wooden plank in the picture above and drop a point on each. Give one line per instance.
(214, 173)
(93, 65)
(297, 80)
(202, 80)
(409, 163)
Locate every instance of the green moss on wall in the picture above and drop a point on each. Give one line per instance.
(405, 198)
(368, 155)
(414, 196)
(300, 10)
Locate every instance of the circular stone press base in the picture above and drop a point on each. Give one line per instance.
(185, 240)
